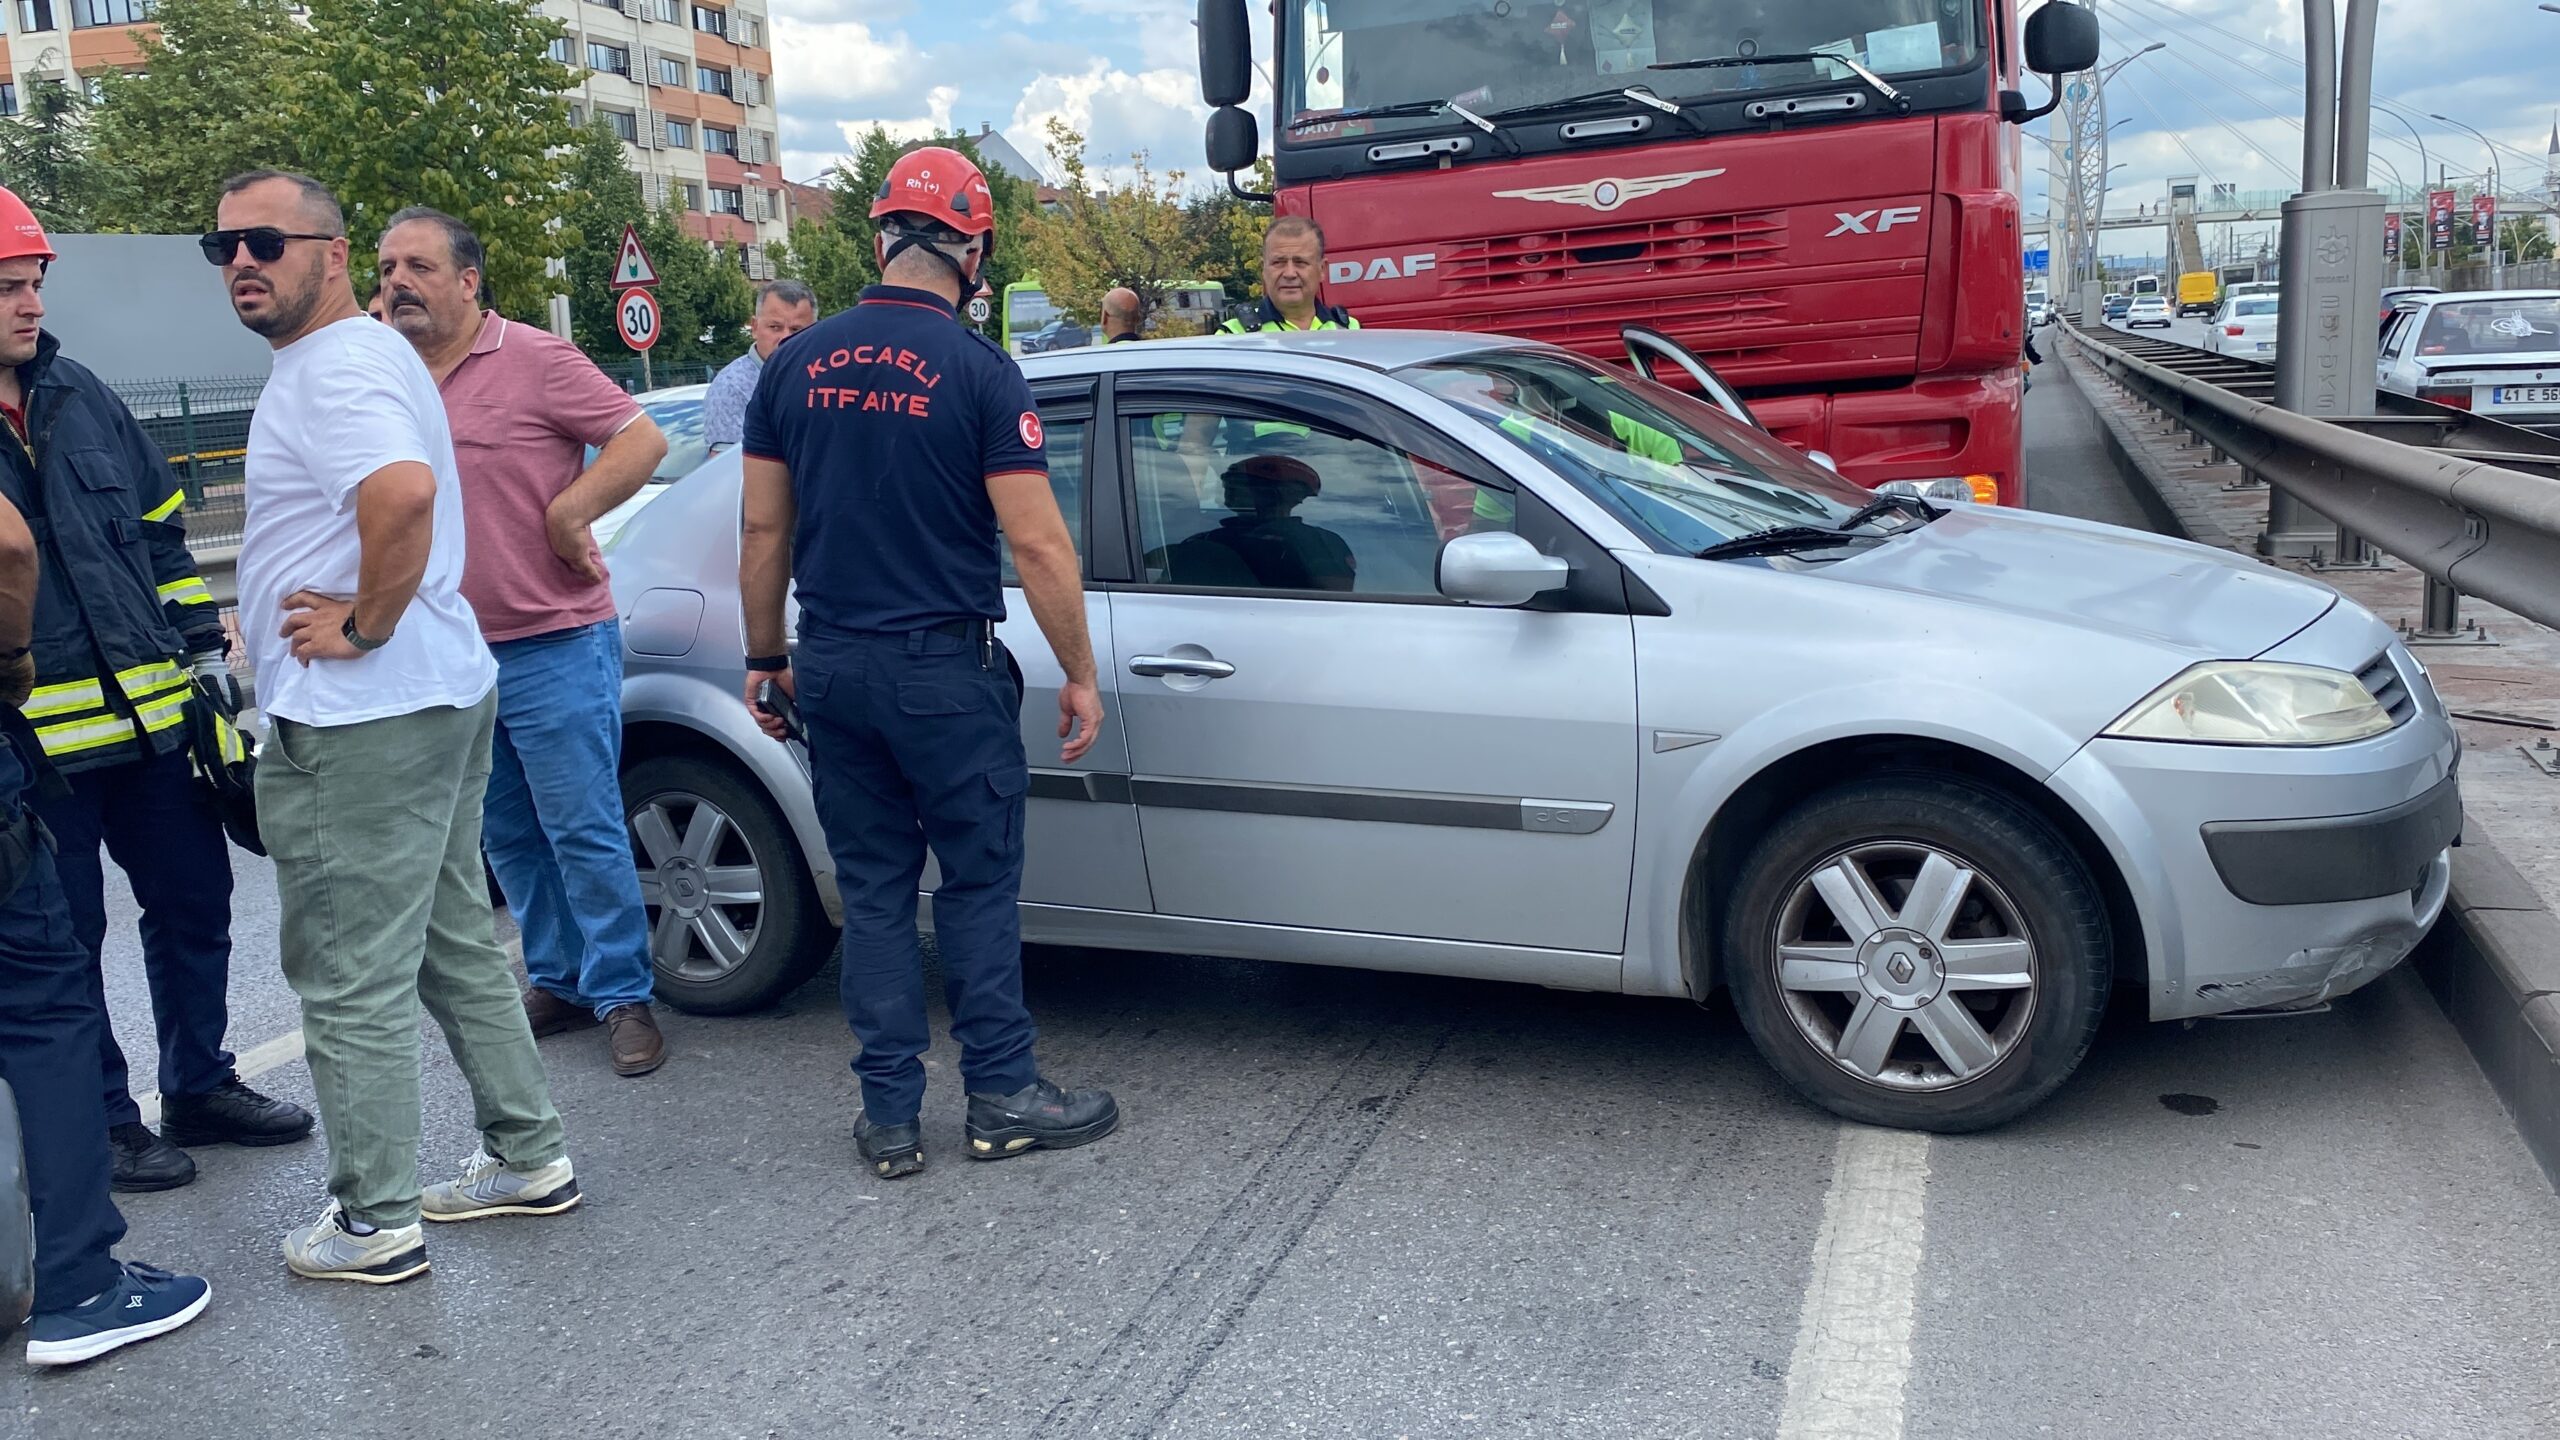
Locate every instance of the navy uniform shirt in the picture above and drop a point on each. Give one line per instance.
(891, 416)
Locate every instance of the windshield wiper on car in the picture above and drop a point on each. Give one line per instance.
(1640, 94)
(1780, 540)
(1883, 505)
(1901, 103)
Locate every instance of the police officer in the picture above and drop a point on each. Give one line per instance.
(885, 448)
(121, 620)
(1292, 272)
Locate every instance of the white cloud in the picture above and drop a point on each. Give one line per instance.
(1118, 112)
(936, 120)
(839, 60)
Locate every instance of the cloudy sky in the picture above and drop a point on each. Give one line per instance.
(1124, 71)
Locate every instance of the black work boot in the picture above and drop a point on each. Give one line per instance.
(144, 1162)
(231, 1112)
(890, 1150)
(1039, 1116)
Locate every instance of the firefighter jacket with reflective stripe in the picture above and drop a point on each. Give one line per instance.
(1265, 317)
(118, 601)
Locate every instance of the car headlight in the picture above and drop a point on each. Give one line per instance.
(1947, 490)
(2250, 702)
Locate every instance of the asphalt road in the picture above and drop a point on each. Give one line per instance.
(1348, 1204)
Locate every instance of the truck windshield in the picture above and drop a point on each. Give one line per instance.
(1680, 472)
(1498, 54)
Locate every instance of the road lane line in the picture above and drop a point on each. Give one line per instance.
(1853, 1342)
(258, 1059)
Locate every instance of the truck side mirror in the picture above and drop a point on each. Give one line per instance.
(1234, 139)
(2062, 39)
(1226, 54)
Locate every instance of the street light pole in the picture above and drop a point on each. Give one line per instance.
(2497, 271)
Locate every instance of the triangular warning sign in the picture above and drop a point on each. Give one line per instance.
(632, 267)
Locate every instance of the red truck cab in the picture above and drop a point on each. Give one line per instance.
(1819, 199)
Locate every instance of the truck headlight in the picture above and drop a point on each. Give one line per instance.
(2253, 702)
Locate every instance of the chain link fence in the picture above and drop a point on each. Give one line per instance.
(202, 426)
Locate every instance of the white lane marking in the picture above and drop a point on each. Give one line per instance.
(1853, 1342)
(258, 1059)
(253, 1062)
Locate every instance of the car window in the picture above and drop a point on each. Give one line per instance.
(2522, 325)
(2253, 305)
(681, 420)
(1065, 444)
(2395, 334)
(1678, 471)
(1232, 498)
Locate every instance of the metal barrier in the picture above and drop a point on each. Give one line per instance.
(2467, 500)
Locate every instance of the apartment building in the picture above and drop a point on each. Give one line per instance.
(688, 86)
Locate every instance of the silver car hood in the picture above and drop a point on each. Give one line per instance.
(2204, 603)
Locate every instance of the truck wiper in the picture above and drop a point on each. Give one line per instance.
(1901, 103)
(1400, 110)
(1642, 95)
(1778, 541)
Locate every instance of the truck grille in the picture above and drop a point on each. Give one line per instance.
(2382, 679)
(1607, 251)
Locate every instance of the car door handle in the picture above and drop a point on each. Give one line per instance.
(1180, 665)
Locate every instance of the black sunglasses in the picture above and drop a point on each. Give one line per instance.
(265, 243)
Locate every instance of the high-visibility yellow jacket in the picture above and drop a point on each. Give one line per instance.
(119, 604)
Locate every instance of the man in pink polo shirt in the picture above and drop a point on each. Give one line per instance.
(524, 405)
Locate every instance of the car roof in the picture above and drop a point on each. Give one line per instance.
(672, 392)
(1371, 349)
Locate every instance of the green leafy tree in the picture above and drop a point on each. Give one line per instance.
(1133, 232)
(821, 257)
(2525, 238)
(44, 157)
(704, 297)
(451, 103)
(1228, 231)
(205, 106)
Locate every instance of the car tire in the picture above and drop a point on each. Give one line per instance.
(1817, 1002)
(17, 1223)
(721, 957)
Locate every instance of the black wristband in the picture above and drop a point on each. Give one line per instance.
(768, 662)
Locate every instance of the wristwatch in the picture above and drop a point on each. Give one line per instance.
(357, 638)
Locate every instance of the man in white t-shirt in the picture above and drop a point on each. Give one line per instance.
(378, 692)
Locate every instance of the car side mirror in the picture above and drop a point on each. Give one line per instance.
(1498, 568)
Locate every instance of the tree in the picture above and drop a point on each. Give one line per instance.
(2525, 238)
(821, 257)
(450, 103)
(704, 299)
(204, 107)
(1131, 233)
(44, 157)
(1228, 229)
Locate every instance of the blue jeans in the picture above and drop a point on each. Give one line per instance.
(554, 828)
(912, 744)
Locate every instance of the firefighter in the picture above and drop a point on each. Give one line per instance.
(1292, 274)
(124, 629)
(886, 448)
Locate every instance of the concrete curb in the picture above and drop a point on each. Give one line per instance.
(2493, 961)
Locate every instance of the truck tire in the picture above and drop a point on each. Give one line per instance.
(1918, 951)
(734, 919)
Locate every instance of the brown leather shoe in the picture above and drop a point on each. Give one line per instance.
(551, 1015)
(638, 1048)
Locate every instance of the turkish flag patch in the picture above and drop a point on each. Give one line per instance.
(1031, 429)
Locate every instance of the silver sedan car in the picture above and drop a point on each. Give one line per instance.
(1464, 655)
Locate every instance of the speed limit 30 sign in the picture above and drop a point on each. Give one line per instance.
(636, 314)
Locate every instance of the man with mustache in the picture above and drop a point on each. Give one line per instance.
(121, 620)
(526, 409)
(378, 688)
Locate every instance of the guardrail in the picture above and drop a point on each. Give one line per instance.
(2471, 502)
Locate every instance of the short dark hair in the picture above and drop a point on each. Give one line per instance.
(1288, 225)
(317, 201)
(458, 237)
(789, 292)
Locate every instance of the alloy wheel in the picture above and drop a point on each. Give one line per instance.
(702, 884)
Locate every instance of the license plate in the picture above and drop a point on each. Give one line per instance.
(2266, 344)
(2525, 395)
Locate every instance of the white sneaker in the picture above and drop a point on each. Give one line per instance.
(326, 1249)
(487, 1187)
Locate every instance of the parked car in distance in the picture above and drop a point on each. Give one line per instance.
(678, 411)
(2115, 306)
(1059, 334)
(1413, 663)
(2149, 310)
(2245, 325)
(2495, 353)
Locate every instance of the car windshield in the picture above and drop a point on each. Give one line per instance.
(2516, 325)
(1678, 471)
(682, 422)
(1499, 54)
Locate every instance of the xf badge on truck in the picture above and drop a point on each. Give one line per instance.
(1872, 222)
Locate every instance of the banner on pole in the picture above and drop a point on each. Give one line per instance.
(2439, 219)
(2484, 220)
(2391, 236)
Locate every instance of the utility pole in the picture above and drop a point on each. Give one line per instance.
(2326, 338)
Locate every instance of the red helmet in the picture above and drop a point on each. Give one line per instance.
(20, 235)
(940, 185)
